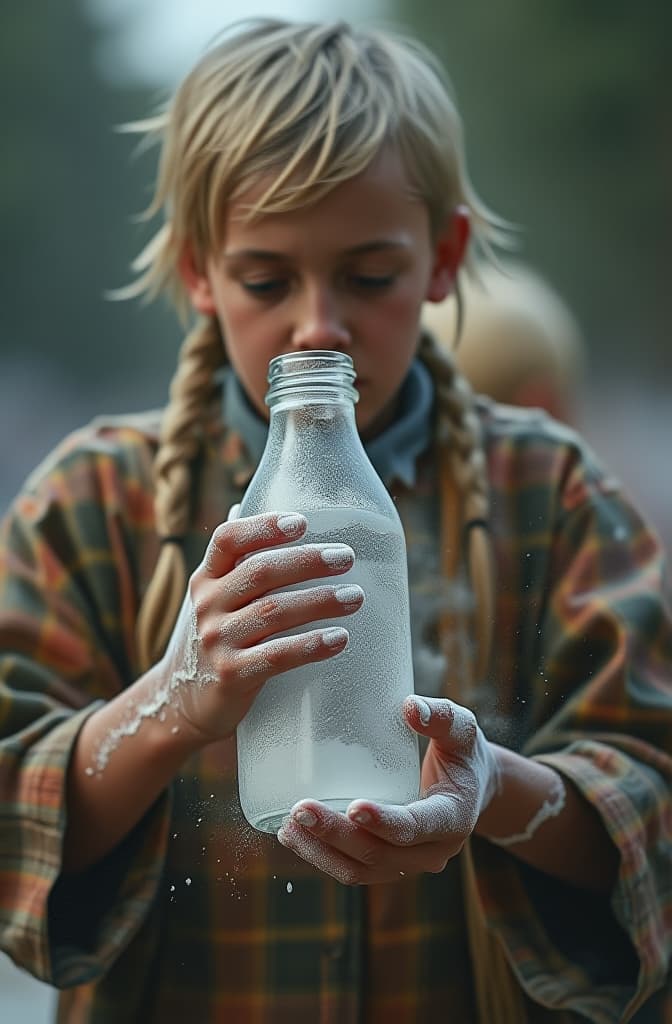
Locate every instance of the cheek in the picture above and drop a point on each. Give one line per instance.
(397, 319)
(234, 314)
(245, 334)
(406, 300)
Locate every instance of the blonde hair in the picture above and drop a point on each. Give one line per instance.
(303, 107)
(306, 107)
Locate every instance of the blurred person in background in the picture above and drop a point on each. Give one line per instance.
(518, 342)
(313, 194)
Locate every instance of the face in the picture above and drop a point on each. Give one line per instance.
(349, 273)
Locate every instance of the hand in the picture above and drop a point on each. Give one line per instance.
(224, 646)
(379, 843)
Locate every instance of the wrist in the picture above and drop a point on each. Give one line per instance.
(170, 730)
(493, 786)
(140, 718)
(526, 790)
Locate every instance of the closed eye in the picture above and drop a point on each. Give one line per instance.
(373, 282)
(265, 288)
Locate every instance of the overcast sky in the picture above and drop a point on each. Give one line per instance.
(156, 41)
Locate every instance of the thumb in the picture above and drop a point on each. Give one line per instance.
(434, 718)
(456, 739)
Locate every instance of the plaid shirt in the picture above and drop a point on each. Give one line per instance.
(197, 917)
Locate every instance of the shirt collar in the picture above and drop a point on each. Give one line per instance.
(393, 452)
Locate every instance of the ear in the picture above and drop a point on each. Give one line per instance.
(197, 282)
(449, 250)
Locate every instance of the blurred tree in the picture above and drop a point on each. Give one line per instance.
(569, 134)
(68, 191)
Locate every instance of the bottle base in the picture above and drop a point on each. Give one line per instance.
(271, 821)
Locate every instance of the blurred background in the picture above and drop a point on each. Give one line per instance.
(569, 134)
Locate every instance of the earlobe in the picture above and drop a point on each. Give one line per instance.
(440, 285)
(196, 281)
(449, 251)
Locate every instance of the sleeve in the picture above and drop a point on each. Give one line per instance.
(599, 684)
(68, 595)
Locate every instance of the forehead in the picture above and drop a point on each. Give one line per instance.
(378, 200)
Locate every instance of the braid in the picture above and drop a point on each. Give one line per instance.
(202, 353)
(459, 432)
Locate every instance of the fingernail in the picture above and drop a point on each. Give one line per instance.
(291, 525)
(424, 710)
(335, 636)
(361, 817)
(337, 556)
(350, 594)
(305, 817)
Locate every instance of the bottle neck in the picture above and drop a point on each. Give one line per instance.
(308, 379)
(314, 457)
(318, 427)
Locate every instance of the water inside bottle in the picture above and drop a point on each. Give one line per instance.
(334, 731)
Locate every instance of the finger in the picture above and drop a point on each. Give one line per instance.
(357, 854)
(278, 613)
(309, 847)
(444, 817)
(257, 664)
(452, 727)
(267, 571)
(233, 513)
(231, 541)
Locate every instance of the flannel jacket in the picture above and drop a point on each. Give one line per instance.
(197, 917)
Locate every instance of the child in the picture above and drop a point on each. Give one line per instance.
(314, 193)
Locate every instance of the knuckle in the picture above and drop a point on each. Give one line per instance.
(219, 534)
(275, 655)
(209, 636)
(266, 610)
(200, 607)
(220, 539)
(228, 674)
(193, 586)
(468, 729)
(370, 857)
(412, 828)
(258, 572)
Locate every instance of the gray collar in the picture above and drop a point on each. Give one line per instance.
(393, 452)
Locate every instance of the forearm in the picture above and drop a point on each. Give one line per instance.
(571, 844)
(123, 759)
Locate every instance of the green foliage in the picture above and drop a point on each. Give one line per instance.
(68, 190)
(569, 133)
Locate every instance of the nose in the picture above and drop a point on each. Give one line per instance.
(320, 322)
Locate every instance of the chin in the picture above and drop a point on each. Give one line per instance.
(372, 422)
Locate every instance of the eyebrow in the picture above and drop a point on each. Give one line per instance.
(270, 255)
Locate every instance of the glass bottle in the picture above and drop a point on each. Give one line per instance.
(332, 731)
